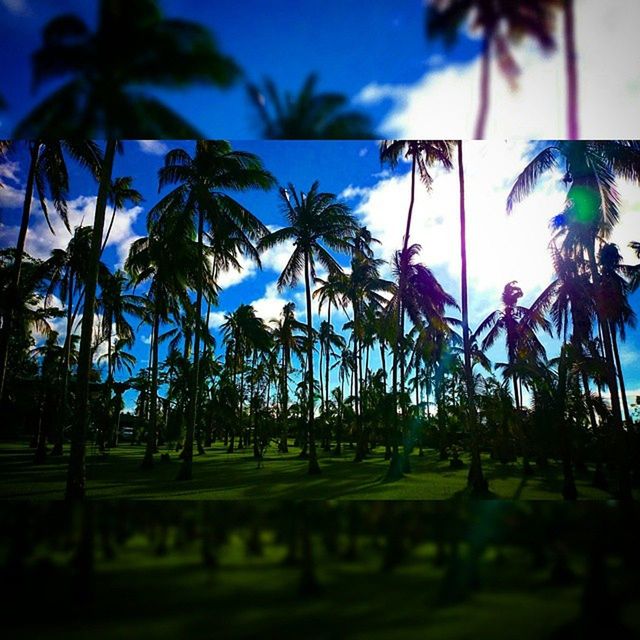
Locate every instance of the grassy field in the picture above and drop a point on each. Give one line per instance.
(222, 476)
(141, 595)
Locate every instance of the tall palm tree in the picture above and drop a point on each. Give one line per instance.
(616, 308)
(165, 260)
(290, 343)
(67, 274)
(202, 181)
(76, 472)
(423, 299)
(501, 23)
(424, 154)
(519, 325)
(475, 479)
(47, 176)
(591, 211)
(307, 116)
(115, 305)
(133, 46)
(315, 219)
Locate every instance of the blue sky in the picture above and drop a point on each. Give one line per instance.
(501, 248)
(348, 46)
(377, 56)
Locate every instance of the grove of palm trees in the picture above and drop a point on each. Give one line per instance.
(367, 378)
(319, 319)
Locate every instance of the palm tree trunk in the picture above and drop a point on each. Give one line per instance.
(327, 363)
(147, 462)
(186, 469)
(624, 478)
(314, 467)
(623, 391)
(5, 333)
(61, 420)
(572, 74)
(475, 480)
(485, 72)
(76, 473)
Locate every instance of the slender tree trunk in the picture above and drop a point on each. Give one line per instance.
(314, 467)
(623, 391)
(571, 70)
(5, 333)
(327, 363)
(76, 473)
(61, 420)
(186, 469)
(475, 480)
(485, 70)
(624, 478)
(152, 431)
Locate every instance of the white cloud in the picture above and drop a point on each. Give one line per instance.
(276, 259)
(232, 276)
(443, 103)
(216, 318)
(352, 192)
(269, 306)
(81, 210)
(9, 171)
(500, 248)
(153, 147)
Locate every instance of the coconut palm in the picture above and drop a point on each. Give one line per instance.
(67, 270)
(76, 473)
(425, 155)
(101, 95)
(165, 260)
(121, 193)
(290, 343)
(307, 116)
(615, 306)
(591, 211)
(423, 299)
(47, 177)
(202, 181)
(502, 23)
(519, 325)
(315, 219)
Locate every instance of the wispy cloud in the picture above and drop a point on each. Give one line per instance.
(153, 147)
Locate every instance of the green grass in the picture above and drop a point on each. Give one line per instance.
(140, 595)
(222, 476)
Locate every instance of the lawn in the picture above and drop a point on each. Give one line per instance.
(141, 595)
(219, 475)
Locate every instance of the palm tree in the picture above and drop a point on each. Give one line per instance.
(591, 211)
(519, 325)
(424, 155)
(502, 23)
(420, 296)
(573, 128)
(307, 116)
(102, 97)
(165, 259)
(315, 219)
(121, 193)
(202, 180)
(289, 343)
(616, 308)
(47, 176)
(76, 472)
(114, 303)
(328, 339)
(67, 274)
